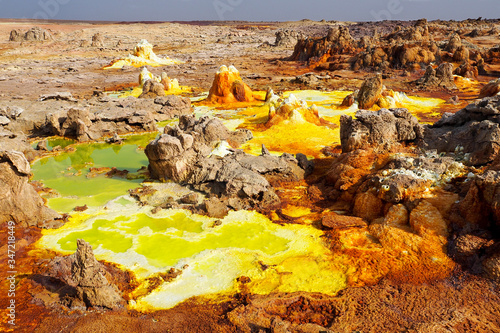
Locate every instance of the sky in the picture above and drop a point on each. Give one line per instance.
(248, 10)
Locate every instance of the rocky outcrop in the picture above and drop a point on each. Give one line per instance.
(152, 89)
(474, 130)
(97, 40)
(83, 125)
(337, 41)
(467, 70)
(287, 38)
(442, 77)
(33, 34)
(228, 87)
(381, 128)
(491, 89)
(19, 202)
(370, 92)
(173, 106)
(86, 281)
(197, 153)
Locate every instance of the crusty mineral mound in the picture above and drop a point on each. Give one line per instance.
(228, 87)
(19, 201)
(143, 55)
(196, 152)
(97, 40)
(291, 110)
(287, 38)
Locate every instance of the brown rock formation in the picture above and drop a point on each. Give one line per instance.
(85, 280)
(442, 77)
(337, 41)
(370, 92)
(228, 87)
(19, 202)
(97, 40)
(152, 89)
(33, 34)
(492, 88)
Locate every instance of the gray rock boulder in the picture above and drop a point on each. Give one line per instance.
(474, 130)
(196, 152)
(383, 127)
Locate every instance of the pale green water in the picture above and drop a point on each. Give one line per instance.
(67, 173)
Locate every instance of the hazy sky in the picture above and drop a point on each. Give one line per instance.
(255, 10)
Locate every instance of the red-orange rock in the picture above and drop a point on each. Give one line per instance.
(228, 87)
(368, 206)
(490, 89)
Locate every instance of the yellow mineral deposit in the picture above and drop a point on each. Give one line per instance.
(143, 56)
(211, 257)
(172, 86)
(292, 127)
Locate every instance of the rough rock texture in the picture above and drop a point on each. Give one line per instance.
(474, 130)
(467, 70)
(383, 127)
(19, 202)
(337, 41)
(195, 153)
(491, 89)
(97, 40)
(33, 34)
(152, 89)
(370, 92)
(442, 77)
(85, 126)
(287, 38)
(87, 280)
(173, 106)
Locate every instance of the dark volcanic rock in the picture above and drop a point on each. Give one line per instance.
(19, 202)
(193, 153)
(474, 130)
(378, 128)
